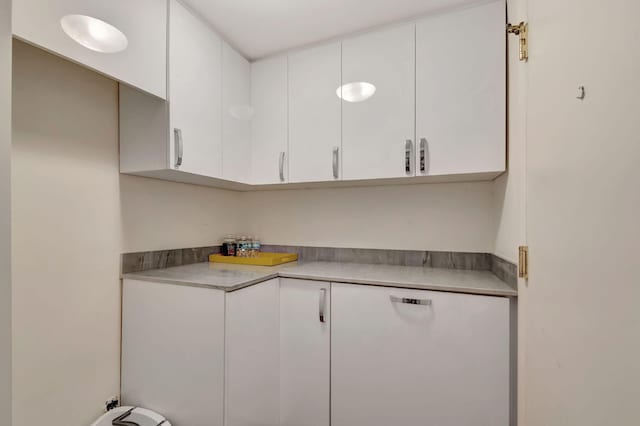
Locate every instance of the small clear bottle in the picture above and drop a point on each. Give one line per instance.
(242, 247)
(256, 247)
(250, 247)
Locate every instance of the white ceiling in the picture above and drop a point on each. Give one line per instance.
(262, 27)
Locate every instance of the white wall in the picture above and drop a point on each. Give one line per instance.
(452, 216)
(73, 214)
(5, 213)
(157, 215)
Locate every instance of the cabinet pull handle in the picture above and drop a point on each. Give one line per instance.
(408, 301)
(322, 302)
(408, 157)
(177, 136)
(424, 155)
(281, 166)
(336, 162)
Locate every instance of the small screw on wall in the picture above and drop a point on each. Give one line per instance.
(581, 93)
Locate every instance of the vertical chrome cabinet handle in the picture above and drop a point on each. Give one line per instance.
(177, 136)
(336, 162)
(424, 155)
(281, 166)
(322, 304)
(408, 157)
(425, 302)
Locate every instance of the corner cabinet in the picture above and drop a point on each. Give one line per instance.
(236, 116)
(142, 64)
(269, 139)
(305, 373)
(252, 355)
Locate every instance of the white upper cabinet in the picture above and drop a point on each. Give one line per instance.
(375, 131)
(415, 102)
(195, 93)
(236, 116)
(142, 64)
(314, 114)
(184, 133)
(269, 124)
(460, 86)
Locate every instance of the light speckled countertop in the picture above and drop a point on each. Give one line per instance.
(233, 277)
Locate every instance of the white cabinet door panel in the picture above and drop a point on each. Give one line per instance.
(252, 355)
(304, 353)
(195, 92)
(400, 364)
(314, 114)
(374, 131)
(172, 356)
(236, 115)
(461, 90)
(269, 123)
(142, 64)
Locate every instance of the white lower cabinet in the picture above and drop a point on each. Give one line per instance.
(252, 356)
(395, 362)
(172, 357)
(290, 352)
(305, 315)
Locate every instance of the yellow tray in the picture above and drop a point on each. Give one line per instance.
(264, 259)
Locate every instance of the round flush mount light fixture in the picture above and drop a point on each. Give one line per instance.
(356, 92)
(94, 33)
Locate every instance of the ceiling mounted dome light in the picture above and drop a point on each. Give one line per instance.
(356, 92)
(94, 34)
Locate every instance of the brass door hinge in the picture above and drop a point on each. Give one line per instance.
(522, 31)
(523, 262)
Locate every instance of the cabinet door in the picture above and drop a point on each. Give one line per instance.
(142, 64)
(401, 364)
(375, 131)
(236, 115)
(269, 124)
(460, 86)
(252, 360)
(305, 315)
(195, 95)
(314, 114)
(172, 351)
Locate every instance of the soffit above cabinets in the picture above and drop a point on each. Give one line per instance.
(259, 28)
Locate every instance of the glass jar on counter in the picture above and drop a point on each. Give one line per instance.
(228, 246)
(255, 247)
(242, 249)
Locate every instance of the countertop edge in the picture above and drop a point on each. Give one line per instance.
(398, 284)
(138, 276)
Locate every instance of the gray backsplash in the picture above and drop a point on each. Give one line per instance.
(506, 271)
